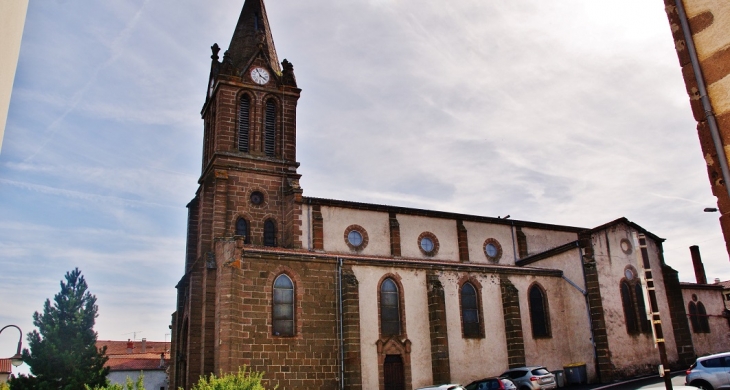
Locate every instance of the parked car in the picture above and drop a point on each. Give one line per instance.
(531, 378)
(710, 372)
(487, 384)
(452, 386)
(508, 384)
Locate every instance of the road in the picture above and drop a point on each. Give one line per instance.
(653, 383)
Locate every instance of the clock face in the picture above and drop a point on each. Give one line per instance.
(259, 75)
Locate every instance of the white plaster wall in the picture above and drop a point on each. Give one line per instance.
(337, 219)
(570, 340)
(415, 296)
(12, 21)
(306, 237)
(540, 240)
(477, 233)
(629, 352)
(472, 359)
(445, 230)
(569, 262)
(718, 340)
(153, 380)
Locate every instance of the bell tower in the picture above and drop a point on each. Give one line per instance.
(249, 143)
(249, 186)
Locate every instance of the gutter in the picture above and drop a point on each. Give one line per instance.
(706, 105)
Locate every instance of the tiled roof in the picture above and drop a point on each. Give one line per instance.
(120, 359)
(5, 366)
(725, 284)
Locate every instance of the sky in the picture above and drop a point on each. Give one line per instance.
(569, 112)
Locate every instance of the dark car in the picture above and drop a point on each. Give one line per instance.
(486, 384)
(531, 378)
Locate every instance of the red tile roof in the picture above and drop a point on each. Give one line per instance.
(5, 366)
(120, 358)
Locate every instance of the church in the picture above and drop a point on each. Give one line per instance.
(332, 294)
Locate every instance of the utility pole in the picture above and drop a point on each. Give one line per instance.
(653, 307)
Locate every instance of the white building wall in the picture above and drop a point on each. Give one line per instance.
(376, 224)
(472, 359)
(153, 380)
(540, 240)
(629, 352)
(444, 229)
(478, 233)
(718, 340)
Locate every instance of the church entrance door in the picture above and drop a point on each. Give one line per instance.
(393, 373)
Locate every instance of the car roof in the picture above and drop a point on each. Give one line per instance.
(702, 358)
(525, 368)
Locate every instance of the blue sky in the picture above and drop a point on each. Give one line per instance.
(568, 112)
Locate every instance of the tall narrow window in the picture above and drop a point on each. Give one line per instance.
(242, 230)
(283, 313)
(244, 109)
(270, 129)
(693, 317)
(641, 306)
(538, 312)
(269, 233)
(389, 309)
(703, 319)
(627, 300)
(470, 311)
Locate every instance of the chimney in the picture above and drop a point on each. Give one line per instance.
(144, 345)
(130, 346)
(697, 262)
(717, 280)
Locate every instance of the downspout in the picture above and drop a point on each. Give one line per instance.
(588, 310)
(514, 247)
(340, 332)
(704, 98)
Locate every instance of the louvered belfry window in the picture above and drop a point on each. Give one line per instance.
(244, 109)
(269, 233)
(270, 129)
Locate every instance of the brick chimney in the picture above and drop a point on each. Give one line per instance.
(697, 262)
(144, 345)
(130, 346)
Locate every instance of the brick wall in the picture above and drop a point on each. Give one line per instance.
(512, 323)
(439, 332)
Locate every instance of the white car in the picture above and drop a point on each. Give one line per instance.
(452, 386)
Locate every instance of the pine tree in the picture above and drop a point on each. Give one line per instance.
(63, 353)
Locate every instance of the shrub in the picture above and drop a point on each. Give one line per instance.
(138, 385)
(243, 380)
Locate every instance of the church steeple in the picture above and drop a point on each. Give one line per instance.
(251, 37)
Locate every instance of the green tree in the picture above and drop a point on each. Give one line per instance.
(137, 385)
(244, 380)
(63, 353)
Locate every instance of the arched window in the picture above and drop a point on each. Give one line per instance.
(270, 128)
(698, 316)
(242, 230)
(283, 313)
(269, 233)
(244, 109)
(641, 306)
(627, 301)
(470, 318)
(539, 312)
(389, 308)
(632, 300)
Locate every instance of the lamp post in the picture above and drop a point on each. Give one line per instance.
(17, 359)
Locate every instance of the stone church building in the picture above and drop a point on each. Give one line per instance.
(331, 294)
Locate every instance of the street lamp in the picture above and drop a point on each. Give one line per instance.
(17, 359)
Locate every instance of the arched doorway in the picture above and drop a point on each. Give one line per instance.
(394, 378)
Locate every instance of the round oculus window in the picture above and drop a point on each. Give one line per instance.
(257, 198)
(354, 238)
(492, 249)
(629, 273)
(427, 244)
(626, 246)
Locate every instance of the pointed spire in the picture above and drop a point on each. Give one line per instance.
(252, 35)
